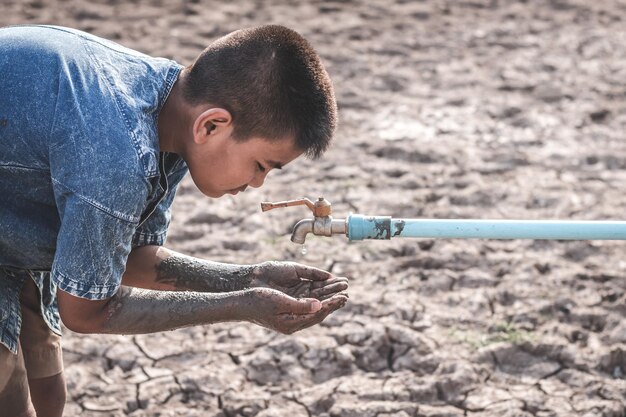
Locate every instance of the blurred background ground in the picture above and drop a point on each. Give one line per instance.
(449, 109)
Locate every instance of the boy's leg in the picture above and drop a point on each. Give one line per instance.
(42, 356)
(48, 395)
(14, 398)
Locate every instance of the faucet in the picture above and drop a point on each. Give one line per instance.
(359, 227)
(322, 223)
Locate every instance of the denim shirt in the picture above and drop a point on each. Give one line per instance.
(82, 180)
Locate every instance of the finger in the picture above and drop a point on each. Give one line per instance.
(329, 307)
(333, 280)
(329, 289)
(301, 306)
(335, 302)
(317, 289)
(297, 323)
(329, 296)
(284, 303)
(325, 297)
(311, 273)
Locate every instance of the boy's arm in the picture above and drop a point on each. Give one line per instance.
(155, 267)
(135, 311)
(158, 268)
(285, 297)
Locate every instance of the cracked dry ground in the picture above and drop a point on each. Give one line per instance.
(487, 109)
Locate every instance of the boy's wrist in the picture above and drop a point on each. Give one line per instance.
(243, 303)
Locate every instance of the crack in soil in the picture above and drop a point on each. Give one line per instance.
(142, 350)
(300, 403)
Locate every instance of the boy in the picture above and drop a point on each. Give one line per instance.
(94, 139)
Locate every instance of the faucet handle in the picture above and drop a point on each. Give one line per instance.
(321, 207)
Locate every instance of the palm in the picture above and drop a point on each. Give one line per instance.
(298, 281)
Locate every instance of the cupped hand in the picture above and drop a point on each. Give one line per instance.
(280, 312)
(297, 280)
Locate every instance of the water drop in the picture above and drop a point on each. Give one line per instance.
(303, 250)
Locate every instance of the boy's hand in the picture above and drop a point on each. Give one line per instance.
(297, 280)
(280, 312)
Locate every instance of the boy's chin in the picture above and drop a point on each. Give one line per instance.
(213, 193)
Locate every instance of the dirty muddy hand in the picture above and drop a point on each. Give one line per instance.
(297, 280)
(279, 312)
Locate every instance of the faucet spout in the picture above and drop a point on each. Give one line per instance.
(319, 226)
(300, 230)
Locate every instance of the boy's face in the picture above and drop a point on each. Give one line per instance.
(225, 166)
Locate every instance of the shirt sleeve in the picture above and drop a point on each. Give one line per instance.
(153, 231)
(99, 194)
(92, 246)
(101, 146)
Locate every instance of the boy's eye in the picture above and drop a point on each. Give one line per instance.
(261, 167)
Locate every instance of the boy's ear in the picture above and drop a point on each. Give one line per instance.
(211, 122)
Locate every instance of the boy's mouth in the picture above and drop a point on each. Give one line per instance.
(236, 191)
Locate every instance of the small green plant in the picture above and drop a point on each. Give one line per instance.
(502, 332)
(507, 332)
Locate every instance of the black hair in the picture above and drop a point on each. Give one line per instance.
(272, 82)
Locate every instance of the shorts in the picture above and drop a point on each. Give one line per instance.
(39, 353)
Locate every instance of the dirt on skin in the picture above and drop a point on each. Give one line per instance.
(449, 109)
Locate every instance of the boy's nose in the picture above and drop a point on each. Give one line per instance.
(258, 180)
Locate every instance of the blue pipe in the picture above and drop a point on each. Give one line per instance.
(384, 227)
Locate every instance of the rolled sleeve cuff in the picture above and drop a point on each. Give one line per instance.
(80, 289)
(147, 239)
